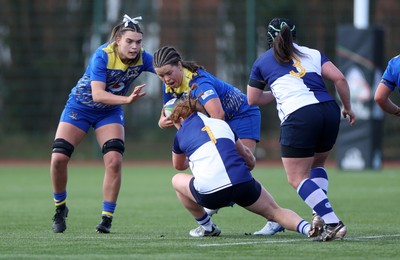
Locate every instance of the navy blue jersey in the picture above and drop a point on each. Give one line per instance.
(294, 84)
(209, 144)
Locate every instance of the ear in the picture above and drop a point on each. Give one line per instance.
(180, 65)
(118, 40)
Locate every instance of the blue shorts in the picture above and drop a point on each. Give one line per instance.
(310, 129)
(86, 118)
(247, 125)
(244, 194)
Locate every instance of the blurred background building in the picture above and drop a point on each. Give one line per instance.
(45, 46)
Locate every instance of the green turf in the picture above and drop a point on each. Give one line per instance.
(150, 223)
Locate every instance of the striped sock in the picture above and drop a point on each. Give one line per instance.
(316, 198)
(320, 177)
(303, 227)
(108, 209)
(60, 199)
(205, 222)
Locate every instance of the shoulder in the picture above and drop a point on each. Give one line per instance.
(200, 76)
(104, 50)
(146, 55)
(308, 50)
(107, 48)
(314, 54)
(266, 57)
(201, 73)
(395, 61)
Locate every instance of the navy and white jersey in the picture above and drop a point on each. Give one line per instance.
(209, 144)
(391, 76)
(106, 66)
(294, 84)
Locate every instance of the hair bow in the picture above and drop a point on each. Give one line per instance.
(127, 20)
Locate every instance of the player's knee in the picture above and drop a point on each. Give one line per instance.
(62, 146)
(116, 145)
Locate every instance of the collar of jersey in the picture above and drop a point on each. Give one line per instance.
(184, 87)
(114, 61)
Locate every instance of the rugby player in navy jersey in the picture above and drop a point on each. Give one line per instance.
(221, 166)
(310, 117)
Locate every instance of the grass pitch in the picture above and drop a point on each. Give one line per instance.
(150, 223)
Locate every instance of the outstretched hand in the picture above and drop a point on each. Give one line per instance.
(136, 94)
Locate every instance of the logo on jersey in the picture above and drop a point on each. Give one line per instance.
(118, 87)
(207, 94)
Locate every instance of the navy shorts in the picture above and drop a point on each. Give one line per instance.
(244, 194)
(247, 125)
(86, 118)
(310, 129)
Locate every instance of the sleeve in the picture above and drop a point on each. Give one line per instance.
(256, 80)
(148, 62)
(388, 76)
(205, 90)
(324, 59)
(175, 147)
(98, 68)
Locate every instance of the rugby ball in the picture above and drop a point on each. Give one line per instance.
(169, 106)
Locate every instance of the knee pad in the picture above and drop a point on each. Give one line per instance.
(62, 146)
(114, 145)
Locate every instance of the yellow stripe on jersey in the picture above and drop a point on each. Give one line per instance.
(184, 87)
(115, 63)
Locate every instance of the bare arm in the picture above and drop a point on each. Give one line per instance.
(214, 108)
(384, 102)
(100, 95)
(257, 96)
(247, 155)
(332, 73)
(180, 161)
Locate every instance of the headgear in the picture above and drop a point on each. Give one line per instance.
(275, 26)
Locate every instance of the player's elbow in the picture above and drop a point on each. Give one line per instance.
(180, 167)
(218, 114)
(179, 163)
(96, 97)
(379, 99)
(252, 100)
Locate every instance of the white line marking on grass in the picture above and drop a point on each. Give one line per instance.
(293, 240)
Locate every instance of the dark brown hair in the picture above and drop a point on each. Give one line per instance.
(281, 36)
(120, 29)
(168, 55)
